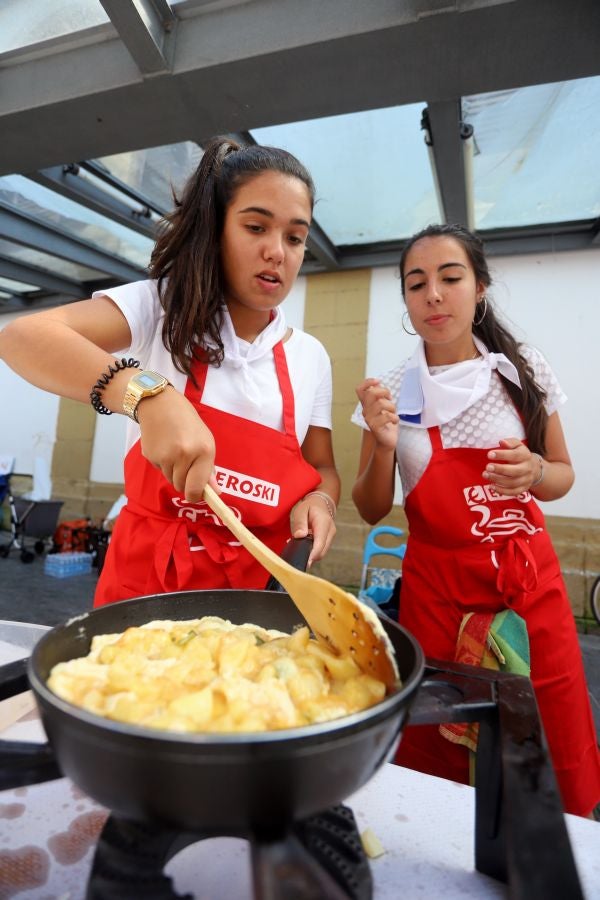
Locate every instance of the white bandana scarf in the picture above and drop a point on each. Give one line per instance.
(427, 399)
(242, 358)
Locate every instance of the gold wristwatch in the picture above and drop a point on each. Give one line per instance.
(141, 385)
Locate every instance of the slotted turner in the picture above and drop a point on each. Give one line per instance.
(347, 626)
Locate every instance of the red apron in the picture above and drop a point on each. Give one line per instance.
(162, 544)
(473, 550)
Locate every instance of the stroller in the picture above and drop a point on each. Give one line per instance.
(29, 519)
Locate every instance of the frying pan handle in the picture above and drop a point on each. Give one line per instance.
(23, 763)
(296, 553)
(13, 678)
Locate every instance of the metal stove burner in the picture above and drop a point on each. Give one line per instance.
(320, 858)
(520, 832)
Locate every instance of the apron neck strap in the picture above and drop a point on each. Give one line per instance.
(435, 437)
(285, 386)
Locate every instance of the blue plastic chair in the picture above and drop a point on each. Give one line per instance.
(4, 487)
(377, 584)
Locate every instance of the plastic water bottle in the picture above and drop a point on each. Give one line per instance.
(64, 565)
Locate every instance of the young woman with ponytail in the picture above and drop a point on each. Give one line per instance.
(471, 421)
(216, 385)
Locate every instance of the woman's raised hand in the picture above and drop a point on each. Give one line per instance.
(513, 468)
(379, 412)
(175, 440)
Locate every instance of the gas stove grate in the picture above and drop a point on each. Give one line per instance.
(320, 858)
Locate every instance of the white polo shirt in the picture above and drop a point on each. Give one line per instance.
(227, 387)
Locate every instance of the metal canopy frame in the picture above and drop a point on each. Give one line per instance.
(162, 74)
(47, 281)
(65, 180)
(146, 28)
(25, 229)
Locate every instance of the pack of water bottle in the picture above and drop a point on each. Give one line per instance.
(64, 565)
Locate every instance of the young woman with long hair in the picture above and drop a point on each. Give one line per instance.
(471, 421)
(215, 384)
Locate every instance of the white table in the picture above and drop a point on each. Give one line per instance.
(424, 823)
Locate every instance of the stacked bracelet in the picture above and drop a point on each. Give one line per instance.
(329, 502)
(541, 475)
(95, 394)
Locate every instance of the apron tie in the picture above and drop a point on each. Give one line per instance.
(172, 558)
(172, 554)
(517, 569)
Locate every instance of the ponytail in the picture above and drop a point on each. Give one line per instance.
(185, 262)
(530, 398)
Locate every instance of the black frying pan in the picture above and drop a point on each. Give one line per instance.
(226, 784)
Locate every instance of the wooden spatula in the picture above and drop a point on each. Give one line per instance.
(337, 618)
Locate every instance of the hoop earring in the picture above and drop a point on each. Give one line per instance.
(404, 320)
(482, 317)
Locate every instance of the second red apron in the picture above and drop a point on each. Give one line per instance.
(473, 550)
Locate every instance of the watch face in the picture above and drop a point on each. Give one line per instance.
(148, 380)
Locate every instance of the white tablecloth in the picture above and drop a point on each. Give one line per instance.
(425, 825)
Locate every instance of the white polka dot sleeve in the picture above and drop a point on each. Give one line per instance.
(392, 380)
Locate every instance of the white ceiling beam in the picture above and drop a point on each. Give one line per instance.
(146, 27)
(446, 146)
(241, 67)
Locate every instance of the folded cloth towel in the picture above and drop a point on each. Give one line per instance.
(495, 641)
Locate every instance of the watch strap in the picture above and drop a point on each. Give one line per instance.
(135, 393)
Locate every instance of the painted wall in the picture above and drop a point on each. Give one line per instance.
(28, 418)
(552, 300)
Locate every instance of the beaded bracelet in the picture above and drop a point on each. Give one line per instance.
(541, 475)
(95, 398)
(329, 501)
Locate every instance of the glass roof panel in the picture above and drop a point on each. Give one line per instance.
(48, 263)
(350, 158)
(153, 172)
(17, 287)
(536, 153)
(38, 21)
(42, 203)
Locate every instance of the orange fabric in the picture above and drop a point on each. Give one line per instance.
(72, 535)
(471, 650)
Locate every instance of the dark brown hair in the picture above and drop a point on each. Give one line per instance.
(529, 399)
(186, 257)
